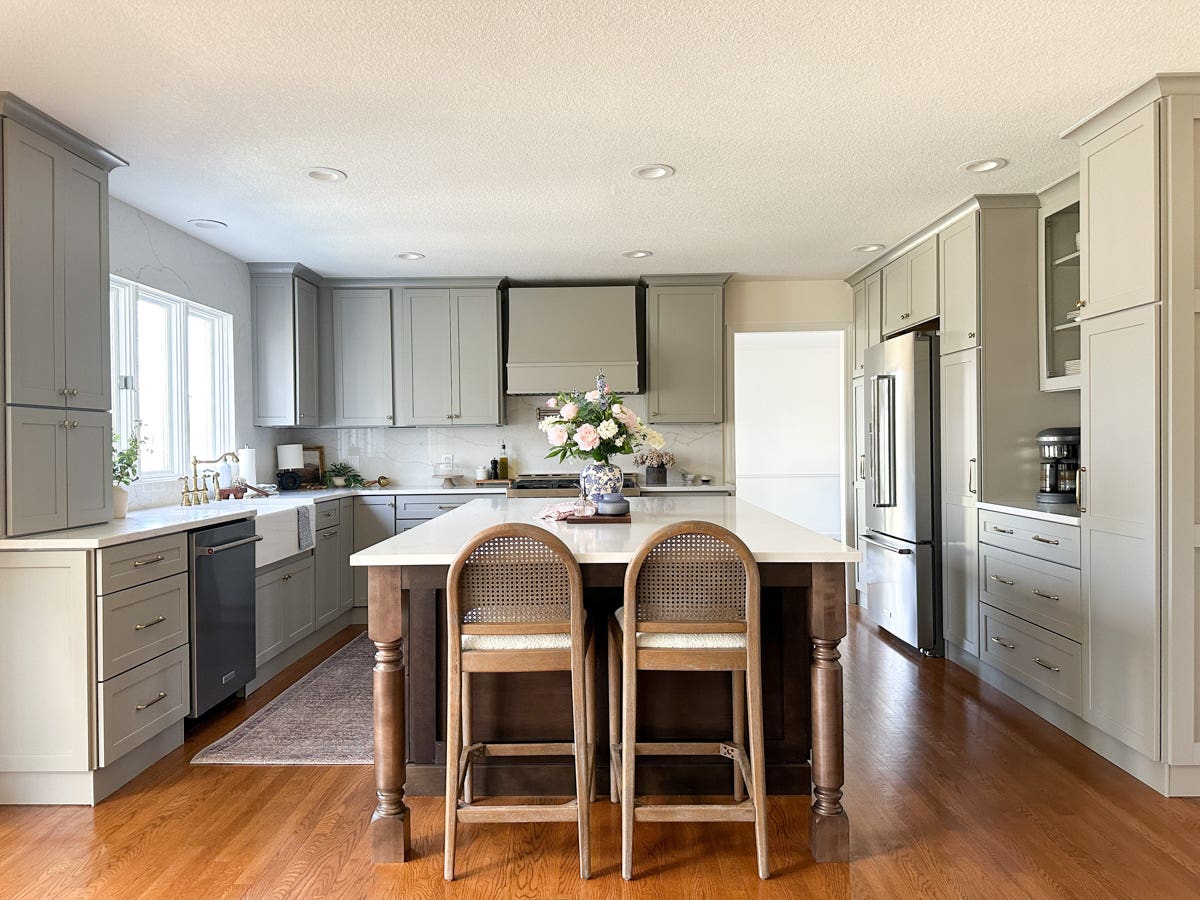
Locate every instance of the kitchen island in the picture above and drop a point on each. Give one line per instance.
(803, 604)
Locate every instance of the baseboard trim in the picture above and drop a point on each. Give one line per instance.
(1154, 774)
(87, 788)
(301, 648)
(1183, 781)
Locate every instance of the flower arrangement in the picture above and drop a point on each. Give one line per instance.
(595, 426)
(655, 459)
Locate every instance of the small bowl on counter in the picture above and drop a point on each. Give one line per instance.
(612, 505)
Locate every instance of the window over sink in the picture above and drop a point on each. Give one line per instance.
(172, 365)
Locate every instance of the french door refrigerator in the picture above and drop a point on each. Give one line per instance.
(901, 543)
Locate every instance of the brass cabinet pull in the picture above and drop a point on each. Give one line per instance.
(999, 530)
(328, 534)
(142, 706)
(1045, 665)
(1044, 594)
(286, 578)
(997, 640)
(1002, 580)
(145, 625)
(137, 564)
(1079, 489)
(1045, 540)
(971, 335)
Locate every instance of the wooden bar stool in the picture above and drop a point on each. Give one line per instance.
(691, 604)
(514, 603)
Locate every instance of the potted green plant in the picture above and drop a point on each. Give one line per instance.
(124, 470)
(340, 474)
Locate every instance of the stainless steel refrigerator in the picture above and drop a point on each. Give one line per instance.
(901, 543)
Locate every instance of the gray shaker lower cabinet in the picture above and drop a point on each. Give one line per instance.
(374, 521)
(285, 610)
(345, 550)
(327, 564)
(685, 345)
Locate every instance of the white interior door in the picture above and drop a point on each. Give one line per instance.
(789, 428)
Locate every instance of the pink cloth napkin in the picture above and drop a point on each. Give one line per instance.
(557, 511)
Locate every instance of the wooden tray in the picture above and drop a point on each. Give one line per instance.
(598, 520)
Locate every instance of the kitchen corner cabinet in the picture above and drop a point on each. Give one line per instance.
(910, 287)
(284, 312)
(362, 356)
(685, 336)
(447, 359)
(1119, 506)
(1119, 213)
(958, 281)
(960, 489)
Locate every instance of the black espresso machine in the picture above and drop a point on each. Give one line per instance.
(1059, 448)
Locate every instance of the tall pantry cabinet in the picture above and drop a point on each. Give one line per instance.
(56, 429)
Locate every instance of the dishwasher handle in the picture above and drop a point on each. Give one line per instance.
(209, 551)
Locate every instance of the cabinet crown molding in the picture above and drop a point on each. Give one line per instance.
(490, 281)
(13, 107)
(968, 206)
(1160, 85)
(685, 280)
(285, 268)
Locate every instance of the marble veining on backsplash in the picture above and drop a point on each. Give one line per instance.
(408, 455)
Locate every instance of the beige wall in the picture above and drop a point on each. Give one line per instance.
(788, 302)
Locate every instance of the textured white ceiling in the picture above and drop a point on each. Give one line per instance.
(497, 137)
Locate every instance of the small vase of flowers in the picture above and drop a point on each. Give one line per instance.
(595, 426)
(656, 462)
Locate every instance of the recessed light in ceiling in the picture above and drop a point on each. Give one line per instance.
(324, 173)
(207, 223)
(868, 248)
(410, 254)
(979, 166)
(637, 254)
(653, 171)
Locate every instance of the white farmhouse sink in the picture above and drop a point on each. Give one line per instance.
(280, 535)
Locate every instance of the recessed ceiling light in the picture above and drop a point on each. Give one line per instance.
(868, 248)
(207, 223)
(410, 254)
(652, 171)
(978, 166)
(637, 254)
(324, 173)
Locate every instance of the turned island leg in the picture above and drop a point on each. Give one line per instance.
(829, 828)
(385, 616)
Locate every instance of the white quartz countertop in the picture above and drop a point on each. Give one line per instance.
(687, 488)
(770, 538)
(1062, 513)
(163, 520)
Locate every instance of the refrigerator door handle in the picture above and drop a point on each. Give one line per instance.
(902, 551)
(883, 408)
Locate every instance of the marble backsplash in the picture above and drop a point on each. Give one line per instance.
(408, 455)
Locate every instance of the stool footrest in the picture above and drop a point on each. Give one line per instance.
(695, 812)
(561, 748)
(536, 812)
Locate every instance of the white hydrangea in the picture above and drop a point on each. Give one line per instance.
(608, 429)
(654, 439)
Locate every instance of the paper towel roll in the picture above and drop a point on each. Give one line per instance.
(291, 456)
(247, 465)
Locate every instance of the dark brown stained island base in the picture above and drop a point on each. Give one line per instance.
(803, 606)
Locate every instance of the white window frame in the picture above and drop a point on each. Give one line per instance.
(124, 295)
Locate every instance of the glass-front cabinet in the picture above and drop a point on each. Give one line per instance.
(1058, 287)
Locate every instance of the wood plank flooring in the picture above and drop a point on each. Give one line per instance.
(955, 791)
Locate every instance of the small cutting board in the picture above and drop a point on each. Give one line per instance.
(598, 520)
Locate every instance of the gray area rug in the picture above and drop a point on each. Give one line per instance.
(324, 719)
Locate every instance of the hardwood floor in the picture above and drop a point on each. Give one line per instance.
(953, 791)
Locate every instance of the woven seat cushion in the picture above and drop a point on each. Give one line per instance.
(516, 642)
(683, 641)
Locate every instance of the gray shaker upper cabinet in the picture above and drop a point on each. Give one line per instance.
(910, 287)
(362, 356)
(685, 337)
(959, 280)
(55, 274)
(447, 343)
(285, 345)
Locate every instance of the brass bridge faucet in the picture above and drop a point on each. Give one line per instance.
(198, 492)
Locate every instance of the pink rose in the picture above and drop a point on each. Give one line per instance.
(607, 389)
(592, 396)
(587, 438)
(557, 435)
(624, 415)
(569, 411)
(552, 403)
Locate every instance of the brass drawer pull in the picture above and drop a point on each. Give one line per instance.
(149, 624)
(1044, 540)
(448, 506)
(999, 530)
(138, 563)
(997, 640)
(1045, 665)
(328, 534)
(142, 706)
(1038, 593)
(1003, 580)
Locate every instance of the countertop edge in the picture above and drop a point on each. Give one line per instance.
(1031, 512)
